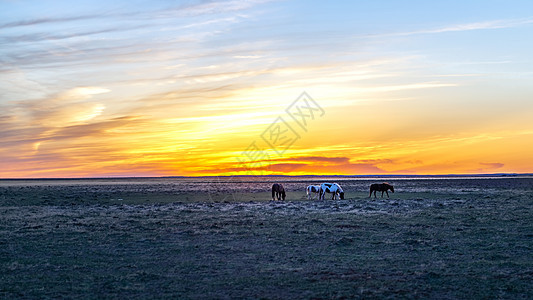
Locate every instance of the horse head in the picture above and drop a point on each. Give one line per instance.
(340, 191)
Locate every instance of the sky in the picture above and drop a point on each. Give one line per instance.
(195, 88)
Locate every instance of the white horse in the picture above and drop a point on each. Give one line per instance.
(312, 191)
(333, 188)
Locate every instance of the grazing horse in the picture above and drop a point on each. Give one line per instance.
(312, 189)
(278, 192)
(381, 187)
(333, 188)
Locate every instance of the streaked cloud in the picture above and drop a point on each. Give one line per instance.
(485, 25)
(492, 165)
(336, 160)
(40, 21)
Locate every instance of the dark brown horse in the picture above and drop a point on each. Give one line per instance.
(278, 192)
(381, 187)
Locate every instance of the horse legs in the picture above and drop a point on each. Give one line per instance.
(387, 193)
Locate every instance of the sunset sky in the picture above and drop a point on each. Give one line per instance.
(190, 88)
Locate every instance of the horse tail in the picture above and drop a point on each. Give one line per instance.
(273, 191)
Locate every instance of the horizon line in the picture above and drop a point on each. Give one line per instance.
(272, 175)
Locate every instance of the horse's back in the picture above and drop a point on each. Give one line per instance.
(379, 186)
(277, 187)
(325, 185)
(330, 187)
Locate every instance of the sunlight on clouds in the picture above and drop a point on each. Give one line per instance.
(36, 146)
(83, 92)
(67, 107)
(424, 85)
(184, 89)
(90, 114)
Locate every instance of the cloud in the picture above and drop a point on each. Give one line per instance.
(76, 150)
(211, 7)
(489, 166)
(46, 36)
(42, 21)
(311, 168)
(65, 108)
(493, 24)
(192, 9)
(94, 129)
(32, 121)
(375, 161)
(284, 168)
(336, 160)
(355, 169)
(81, 93)
(410, 86)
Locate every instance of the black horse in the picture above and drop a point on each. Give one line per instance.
(278, 191)
(381, 187)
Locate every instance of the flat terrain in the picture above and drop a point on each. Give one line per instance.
(201, 239)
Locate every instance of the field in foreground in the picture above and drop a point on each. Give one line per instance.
(444, 239)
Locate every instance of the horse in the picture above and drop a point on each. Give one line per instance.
(381, 187)
(312, 189)
(278, 192)
(333, 188)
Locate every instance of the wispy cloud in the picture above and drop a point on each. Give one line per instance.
(485, 25)
(491, 166)
(195, 8)
(41, 21)
(314, 159)
(213, 7)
